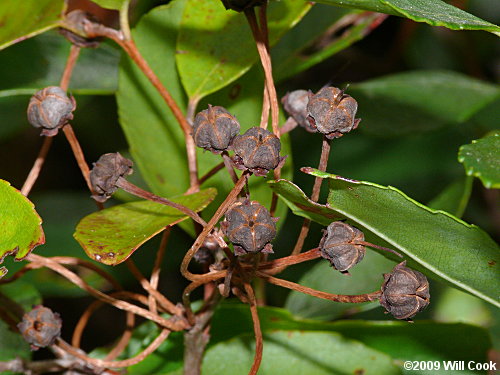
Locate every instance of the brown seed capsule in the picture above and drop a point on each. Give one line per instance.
(214, 129)
(50, 109)
(338, 246)
(40, 327)
(295, 104)
(206, 253)
(76, 20)
(405, 292)
(241, 5)
(258, 151)
(332, 112)
(250, 227)
(106, 172)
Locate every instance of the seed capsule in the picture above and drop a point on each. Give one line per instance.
(77, 20)
(50, 109)
(106, 172)
(295, 104)
(40, 327)
(332, 112)
(405, 292)
(241, 5)
(250, 227)
(214, 129)
(338, 246)
(258, 151)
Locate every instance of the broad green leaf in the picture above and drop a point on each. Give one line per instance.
(433, 12)
(216, 46)
(454, 198)
(443, 246)
(23, 19)
(40, 62)
(419, 101)
(112, 235)
(308, 43)
(20, 226)
(297, 352)
(111, 4)
(154, 136)
(243, 99)
(481, 159)
(365, 277)
(423, 340)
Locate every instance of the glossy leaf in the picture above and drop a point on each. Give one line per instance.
(154, 136)
(454, 198)
(310, 42)
(20, 226)
(112, 235)
(365, 277)
(419, 101)
(443, 246)
(433, 12)
(40, 62)
(111, 4)
(216, 46)
(481, 159)
(297, 352)
(23, 19)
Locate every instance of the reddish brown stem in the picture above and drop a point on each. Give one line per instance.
(208, 228)
(343, 298)
(323, 163)
(74, 52)
(212, 172)
(229, 166)
(155, 274)
(37, 166)
(364, 243)
(257, 330)
(138, 192)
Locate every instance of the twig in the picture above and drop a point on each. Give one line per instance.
(122, 305)
(212, 172)
(74, 52)
(257, 330)
(162, 300)
(229, 166)
(208, 228)
(155, 274)
(323, 163)
(323, 295)
(137, 191)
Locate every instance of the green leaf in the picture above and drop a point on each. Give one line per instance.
(419, 101)
(433, 12)
(155, 138)
(216, 46)
(441, 245)
(20, 226)
(439, 13)
(423, 340)
(112, 235)
(481, 159)
(111, 4)
(364, 278)
(23, 19)
(40, 62)
(454, 198)
(297, 352)
(307, 45)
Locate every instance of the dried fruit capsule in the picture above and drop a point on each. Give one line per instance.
(76, 21)
(338, 245)
(257, 150)
(50, 109)
(106, 172)
(40, 327)
(295, 104)
(214, 129)
(241, 5)
(332, 112)
(250, 227)
(405, 292)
